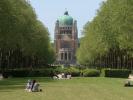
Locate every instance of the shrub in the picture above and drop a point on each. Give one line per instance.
(73, 71)
(91, 73)
(18, 73)
(30, 73)
(117, 73)
(103, 72)
(46, 72)
(58, 70)
(41, 73)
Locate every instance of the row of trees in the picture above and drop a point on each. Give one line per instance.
(24, 40)
(108, 39)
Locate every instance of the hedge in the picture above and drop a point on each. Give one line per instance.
(117, 73)
(49, 72)
(29, 73)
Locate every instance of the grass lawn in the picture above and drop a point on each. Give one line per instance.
(75, 89)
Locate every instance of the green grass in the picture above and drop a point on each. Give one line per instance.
(75, 89)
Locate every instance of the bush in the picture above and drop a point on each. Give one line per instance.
(48, 72)
(117, 73)
(30, 73)
(91, 73)
(41, 73)
(58, 70)
(103, 72)
(18, 73)
(73, 71)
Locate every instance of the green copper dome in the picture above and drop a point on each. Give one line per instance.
(65, 19)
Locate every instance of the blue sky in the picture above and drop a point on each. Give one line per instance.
(49, 10)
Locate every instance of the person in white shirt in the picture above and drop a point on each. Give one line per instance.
(28, 85)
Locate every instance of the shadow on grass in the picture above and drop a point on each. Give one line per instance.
(129, 86)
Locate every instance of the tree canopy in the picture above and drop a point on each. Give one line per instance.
(24, 40)
(109, 36)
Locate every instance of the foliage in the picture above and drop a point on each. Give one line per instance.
(108, 39)
(73, 71)
(117, 73)
(48, 72)
(24, 40)
(91, 73)
(42, 72)
(58, 70)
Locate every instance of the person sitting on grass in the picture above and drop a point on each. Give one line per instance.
(127, 83)
(35, 88)
(55, 76)
(28, 85)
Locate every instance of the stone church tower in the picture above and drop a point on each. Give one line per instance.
(66, 39)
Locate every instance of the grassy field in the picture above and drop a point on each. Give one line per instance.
(75, 89)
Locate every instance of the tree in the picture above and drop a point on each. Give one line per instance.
(108, 39)
(24, 40)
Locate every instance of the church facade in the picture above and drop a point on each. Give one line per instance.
(66, 39)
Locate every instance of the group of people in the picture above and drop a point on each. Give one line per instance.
(62, 76)
(32, 86)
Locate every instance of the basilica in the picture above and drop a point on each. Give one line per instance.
(66, 39)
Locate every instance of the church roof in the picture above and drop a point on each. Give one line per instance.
(65, 19)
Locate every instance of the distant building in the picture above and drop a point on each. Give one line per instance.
(66, 39)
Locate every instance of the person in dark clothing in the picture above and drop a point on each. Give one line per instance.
(33, 83)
